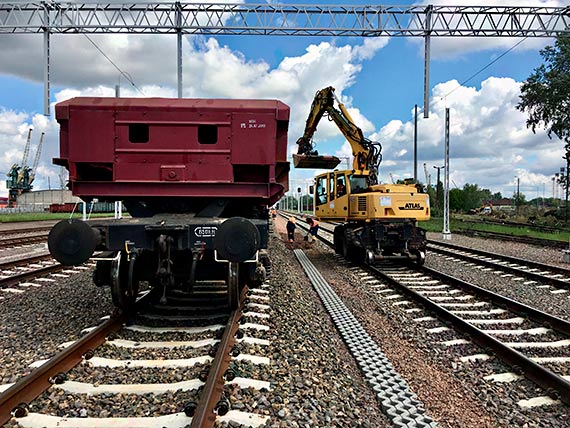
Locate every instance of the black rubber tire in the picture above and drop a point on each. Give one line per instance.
(351, 251)
(338, 239)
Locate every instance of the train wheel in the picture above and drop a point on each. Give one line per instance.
(420, 257)
(233, 285)
(124, 284)
(349, 250)
(346, 247)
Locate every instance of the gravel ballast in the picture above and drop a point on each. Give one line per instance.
(529, 294)
(314, 380)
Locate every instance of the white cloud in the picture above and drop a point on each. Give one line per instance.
(208, 67)
(489, 141)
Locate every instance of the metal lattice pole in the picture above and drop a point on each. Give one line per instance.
(446, 232)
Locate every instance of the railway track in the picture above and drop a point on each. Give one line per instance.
(537, 272)
(480, 234)
(535, 344)
(18, 274)
(90, 367)
(23, 240)
(24, 261)
(515, 238)
(27, 230)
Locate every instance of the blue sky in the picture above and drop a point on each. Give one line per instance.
(379, 80)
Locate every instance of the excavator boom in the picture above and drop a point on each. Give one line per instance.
(307, 156)
(366, 154)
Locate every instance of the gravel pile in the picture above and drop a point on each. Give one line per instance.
(540, 298)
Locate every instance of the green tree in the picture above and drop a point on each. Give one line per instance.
(431, 192)
(472, 196)
(519, 199)
(456, 200)
(546, 94)
(496, 196)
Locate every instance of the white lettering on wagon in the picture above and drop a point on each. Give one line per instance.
(252, 124)
(205, 231)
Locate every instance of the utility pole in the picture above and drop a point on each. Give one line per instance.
(416, 144)
(446, 231)
(517, 203)
(566, 185)
(437, 187)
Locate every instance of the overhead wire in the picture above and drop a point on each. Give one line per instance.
(123, 73)
(491, 62)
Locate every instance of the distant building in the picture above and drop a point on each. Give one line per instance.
(40, 200)
(504, 204)
(3, 202)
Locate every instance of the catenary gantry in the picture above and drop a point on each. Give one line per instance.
(275, 19)
(180, 18)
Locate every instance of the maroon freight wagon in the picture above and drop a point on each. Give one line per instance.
(196, 175)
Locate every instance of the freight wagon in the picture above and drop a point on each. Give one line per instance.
(196, 175)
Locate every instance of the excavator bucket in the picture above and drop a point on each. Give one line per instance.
(315, 161)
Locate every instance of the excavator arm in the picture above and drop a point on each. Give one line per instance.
(366, 154)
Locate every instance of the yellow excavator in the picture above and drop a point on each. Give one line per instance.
(379, 220)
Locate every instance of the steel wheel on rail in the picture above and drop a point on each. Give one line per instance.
(233, 285)
(420, 257)
(124, 283)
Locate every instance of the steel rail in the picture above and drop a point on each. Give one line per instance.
(10, 242)
(552, 383)
(32, 385)
(505, 257)
(398, 402)
(21, 262)
(558, 324)
(205, 416)
(520, 271)
(27, 230)
(16, 279)
(514, 238)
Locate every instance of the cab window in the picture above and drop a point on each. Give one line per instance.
(321, 194)
(340, 185)
(358, 183)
